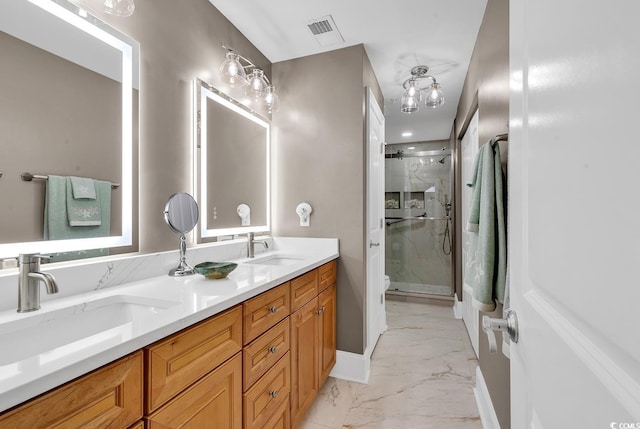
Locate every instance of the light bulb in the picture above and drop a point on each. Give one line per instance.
(121, 8)
(231, 71)
(271, 98)
(257, 84)
(435, 97)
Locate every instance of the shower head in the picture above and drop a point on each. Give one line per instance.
(441, 161)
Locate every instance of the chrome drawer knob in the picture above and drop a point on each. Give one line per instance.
(273, 393)
(273, 349)
(273, 309)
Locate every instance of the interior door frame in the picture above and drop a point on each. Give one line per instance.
(375, 299)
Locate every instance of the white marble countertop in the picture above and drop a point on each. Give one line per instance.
(75, 334)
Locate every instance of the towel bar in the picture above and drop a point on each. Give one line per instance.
(28, 177)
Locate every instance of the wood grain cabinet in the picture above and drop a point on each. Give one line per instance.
(313, 342)
(176, 362)
(214, 401)
(327, 334)
(109, 397)
(265, 310)
(258, 365)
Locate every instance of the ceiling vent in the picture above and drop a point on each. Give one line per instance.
(325, 31)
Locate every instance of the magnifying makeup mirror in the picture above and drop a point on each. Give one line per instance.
(181, 214)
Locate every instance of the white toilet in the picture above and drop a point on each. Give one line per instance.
(387, 282)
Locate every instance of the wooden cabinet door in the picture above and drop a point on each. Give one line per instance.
(174, 363)
(110, 397)
(304, 359)
(327, 336)
(214, 402)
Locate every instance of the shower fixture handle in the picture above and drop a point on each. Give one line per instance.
(507, 325)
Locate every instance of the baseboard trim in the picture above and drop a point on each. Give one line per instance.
(487, 413)
(457, 307)
(352, 367)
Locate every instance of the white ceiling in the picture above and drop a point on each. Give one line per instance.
(397, 35)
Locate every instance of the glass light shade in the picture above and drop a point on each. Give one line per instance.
(411, 98)
(271, 98)
(435, 97)
(256, 85)
(231, 71)
(121, 8)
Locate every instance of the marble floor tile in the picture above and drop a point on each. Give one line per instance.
(422, 376)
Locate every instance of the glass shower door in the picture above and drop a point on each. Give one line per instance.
(418, 229)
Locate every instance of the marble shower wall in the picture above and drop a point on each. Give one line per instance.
(414, 254)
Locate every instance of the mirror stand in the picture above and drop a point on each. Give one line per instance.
(181, 214)
(183, 269)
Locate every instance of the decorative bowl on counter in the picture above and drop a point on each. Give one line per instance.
(215, 270)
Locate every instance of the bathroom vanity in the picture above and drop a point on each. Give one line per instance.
(248, 351)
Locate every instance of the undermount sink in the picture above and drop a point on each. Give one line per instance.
(275, 260)
(54, 334)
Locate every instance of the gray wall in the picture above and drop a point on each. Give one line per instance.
(487, 88)
(179, 41)
(319, 157)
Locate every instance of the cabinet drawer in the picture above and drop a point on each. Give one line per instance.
(215, 401)
(264, 351)
(264, 399)
(110, 397)
(327, 275)
(304, 289)
(138, 425)
(281, 419)
(174, 363)
(264, 311)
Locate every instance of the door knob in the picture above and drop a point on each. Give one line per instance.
(509, 325)
(373, 244)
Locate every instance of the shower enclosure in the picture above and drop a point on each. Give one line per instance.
(417, 215)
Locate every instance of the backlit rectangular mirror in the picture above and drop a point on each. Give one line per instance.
(232, 159)
(68, 108)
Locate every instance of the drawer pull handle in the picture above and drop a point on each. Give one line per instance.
(273, 393)
(273, 309)
(321, 310)
(273, 349)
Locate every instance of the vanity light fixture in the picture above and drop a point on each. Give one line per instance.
(122, 8)
(238, 71)
(412, 96)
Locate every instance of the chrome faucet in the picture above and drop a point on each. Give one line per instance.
(29, 282)
(251, 242)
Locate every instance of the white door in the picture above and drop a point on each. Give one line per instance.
(376, 315)
(574, 210)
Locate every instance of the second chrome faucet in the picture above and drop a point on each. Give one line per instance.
(251, 242)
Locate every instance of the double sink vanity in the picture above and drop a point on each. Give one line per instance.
(112, 349)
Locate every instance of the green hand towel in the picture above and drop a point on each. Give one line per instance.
(83, 188)
(56, 224)
(82, 211)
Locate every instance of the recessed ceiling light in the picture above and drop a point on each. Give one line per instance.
(407, 134)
